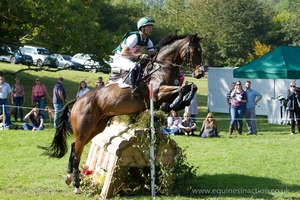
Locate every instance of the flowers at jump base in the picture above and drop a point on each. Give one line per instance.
(91, 183)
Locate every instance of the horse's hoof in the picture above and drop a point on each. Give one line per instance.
(194, 87)
(68, 179)
(77, 191)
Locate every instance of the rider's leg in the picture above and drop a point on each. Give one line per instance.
(132, 80)
(133, 76)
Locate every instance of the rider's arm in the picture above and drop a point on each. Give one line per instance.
(127, 53)
(127, 50)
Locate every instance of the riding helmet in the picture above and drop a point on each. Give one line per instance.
(145, 21)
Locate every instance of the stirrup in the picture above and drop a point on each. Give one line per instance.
(134, 91)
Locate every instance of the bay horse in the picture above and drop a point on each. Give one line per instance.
(91, 112)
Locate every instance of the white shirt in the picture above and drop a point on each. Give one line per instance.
(82, 92)
(5, 90)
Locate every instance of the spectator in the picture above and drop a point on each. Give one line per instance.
(36, 119)
(100, 82)
(59, 97)
(228, 101)
(252, 98)
(209, 127)
(39, 94)
(192, 109)
(293, 106)
(238, 107)
(187, 126)
(173, 124)
(82, 89)
(18, 98)
(5, 91)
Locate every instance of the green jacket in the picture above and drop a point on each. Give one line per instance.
(140, 42)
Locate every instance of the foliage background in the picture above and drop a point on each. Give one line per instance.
(97, 26)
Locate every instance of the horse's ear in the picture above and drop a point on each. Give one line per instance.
(194, 37)
(202, 37)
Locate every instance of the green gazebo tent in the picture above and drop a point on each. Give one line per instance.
(281, 63)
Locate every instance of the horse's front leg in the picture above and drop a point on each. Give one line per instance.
(175, 97)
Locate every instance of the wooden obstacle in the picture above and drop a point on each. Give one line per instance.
(115, 149)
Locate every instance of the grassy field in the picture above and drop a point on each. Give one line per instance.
(236, 167)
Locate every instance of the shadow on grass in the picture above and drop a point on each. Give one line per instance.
(240, 186)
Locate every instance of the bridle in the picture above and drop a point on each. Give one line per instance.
(185, 56)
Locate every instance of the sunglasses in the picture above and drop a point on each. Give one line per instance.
(209, 117)
(238, 84)
(292, 85)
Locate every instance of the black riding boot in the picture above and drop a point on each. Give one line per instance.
(132, 81)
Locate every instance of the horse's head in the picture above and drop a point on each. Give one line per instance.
(192, 55)
(181, 51)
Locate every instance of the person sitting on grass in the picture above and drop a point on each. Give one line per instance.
(36, 119)
(187, 126)
(173, 121)
(209, 127)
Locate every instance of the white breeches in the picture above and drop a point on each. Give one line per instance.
(123, 63)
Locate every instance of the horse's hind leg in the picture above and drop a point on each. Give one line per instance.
(76, 171)
(79, 146)
(68, 178)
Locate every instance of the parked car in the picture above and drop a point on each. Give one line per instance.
(88, 62)
(38, 54)
(5, 53)
(63, 61)
(22, 58)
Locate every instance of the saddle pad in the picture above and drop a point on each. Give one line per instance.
(122, 84)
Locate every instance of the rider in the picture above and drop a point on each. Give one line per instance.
(135, 46)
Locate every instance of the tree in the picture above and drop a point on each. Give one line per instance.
(232, 27)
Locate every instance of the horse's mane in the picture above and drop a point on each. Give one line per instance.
(169, 40)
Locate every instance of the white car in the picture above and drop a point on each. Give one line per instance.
(87, 61)
(63, 61)
(38, 54)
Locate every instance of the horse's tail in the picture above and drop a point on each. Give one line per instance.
(59, 147)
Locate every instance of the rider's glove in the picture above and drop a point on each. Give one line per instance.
(144, 57)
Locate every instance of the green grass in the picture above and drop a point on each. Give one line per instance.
(265, 166)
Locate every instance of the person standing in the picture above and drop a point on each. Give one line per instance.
(5, 91)
(135, 46)
(293, 105)
(238, 107)
(228, 101)
(252, 98)
(18, 98)
(82, 89)
(38, 96)
(59, 97)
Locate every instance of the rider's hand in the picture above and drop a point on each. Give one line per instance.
(144, 57)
